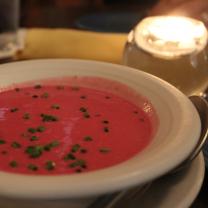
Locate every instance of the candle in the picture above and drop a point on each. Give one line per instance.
(172, 48)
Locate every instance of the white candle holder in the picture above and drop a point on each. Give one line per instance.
(172, 48)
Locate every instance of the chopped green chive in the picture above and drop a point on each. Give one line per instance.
(14, 110)
(86, 115)
(105, 121)
(26, 116)
(2, 141)
(16, 145)
(75, 148)
(104, 150)
(40, 129)
(13, 164)
(83, 97)
(75, 88)
(51, 145)
(83, 150)
(55, 143)
(88, 138)
(48, 118)
(69, 156)
(31, 130)
(82, 109)
(44, 95)
(50, 165)
(37, 86)
(78, 163)
(34, 151)
(17, 89)
(106, 129)
(32, 167)
(55, 106)
(25, 135)
(34, 138)
(35, 96)
(60, 87)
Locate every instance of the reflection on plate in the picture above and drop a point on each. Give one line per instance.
(121, 22)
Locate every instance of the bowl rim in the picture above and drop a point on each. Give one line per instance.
(116, 177)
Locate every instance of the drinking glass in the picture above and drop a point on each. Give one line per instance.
(188, 72)
(9, 23)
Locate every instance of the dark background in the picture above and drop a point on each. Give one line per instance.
(63, 13)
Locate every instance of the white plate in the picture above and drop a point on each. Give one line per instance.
(178, 191)
(168, 148)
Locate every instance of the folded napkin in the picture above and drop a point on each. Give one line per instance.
(69, 43)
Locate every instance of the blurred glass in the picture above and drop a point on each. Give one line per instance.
(188, 71)
(9, 23)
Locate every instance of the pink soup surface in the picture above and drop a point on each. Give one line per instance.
(76, 126)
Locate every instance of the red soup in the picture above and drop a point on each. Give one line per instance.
(82, 125)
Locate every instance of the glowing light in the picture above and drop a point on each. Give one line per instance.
(171, 36)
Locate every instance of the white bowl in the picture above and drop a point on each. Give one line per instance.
(177, 134)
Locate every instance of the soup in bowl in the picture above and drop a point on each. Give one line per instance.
(79, 129)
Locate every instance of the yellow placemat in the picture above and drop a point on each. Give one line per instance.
(68, 43)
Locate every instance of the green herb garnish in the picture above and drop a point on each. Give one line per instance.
(83, 97)
(88, 138)
(44, 95)
(37, 86)
(83, 150)
(32, 167)
(104, 150)
(78, 163)
(2, 141)
(75, 88)
(82, 109)
(17, 89)
(75, 148)
(40, 129)
(55, 106)
(86, 115)
(50, 165)
(106, 129)
(34, 151)
(48, 118)
(16, 145)
(12, 110)
(51, 145)
(26, 116)
(13, 164)
(35, 96)
(31, 130)
(69, 156)
(105, 121)
(34, 138)
(60, 87)
(78, 170)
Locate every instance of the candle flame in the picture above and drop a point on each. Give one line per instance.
(171, 36)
